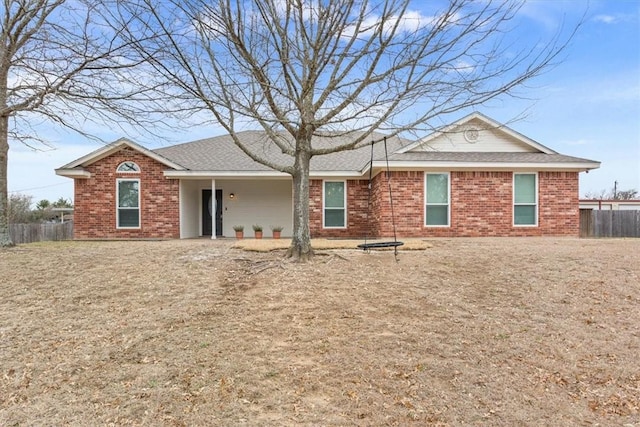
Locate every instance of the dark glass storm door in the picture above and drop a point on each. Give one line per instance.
(207, 210)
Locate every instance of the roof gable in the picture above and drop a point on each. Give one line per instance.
(477, 133)
(473, 142)
(115, 146)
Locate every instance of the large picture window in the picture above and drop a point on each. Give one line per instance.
(335, 202)
(128, 211)
(525, 199)
(437, 200)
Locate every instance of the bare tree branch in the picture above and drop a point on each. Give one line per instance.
(322, 68)
(61, 63)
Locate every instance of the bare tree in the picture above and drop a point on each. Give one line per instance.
(60, 64)
(19, 209)
(613, 194)
(630, 194)
(310, 68)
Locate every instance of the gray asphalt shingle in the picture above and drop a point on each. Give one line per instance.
(222, 154)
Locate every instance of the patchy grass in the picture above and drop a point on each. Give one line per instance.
(493, 332)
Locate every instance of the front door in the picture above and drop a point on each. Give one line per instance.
(207, 209)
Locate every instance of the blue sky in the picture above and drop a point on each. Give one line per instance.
(588, 106)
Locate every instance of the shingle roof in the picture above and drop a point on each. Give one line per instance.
(222, 154)
(217, 154)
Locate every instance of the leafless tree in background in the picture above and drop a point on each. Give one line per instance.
(612, 194)
(60, 63)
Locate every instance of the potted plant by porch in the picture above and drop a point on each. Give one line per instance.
(276, 230)
(257, 229)
(239, 229)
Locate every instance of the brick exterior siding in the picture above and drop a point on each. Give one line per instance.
(95, 200)
(357, 194)
(481, 205)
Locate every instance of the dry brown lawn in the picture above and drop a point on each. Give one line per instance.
(483, 332)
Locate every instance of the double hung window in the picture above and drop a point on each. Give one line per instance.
(335, 202)
(437, 200)
(128, 209)
(525, 199)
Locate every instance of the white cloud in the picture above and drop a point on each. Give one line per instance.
(463, 67)
(617, 18)
(411, 21)
(606, 19)
(553, 15)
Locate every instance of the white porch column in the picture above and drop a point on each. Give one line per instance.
(214, 209)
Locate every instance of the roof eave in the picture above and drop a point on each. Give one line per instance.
(109, 149)
(73, 173)
(497, 166)
(393, 165)
(204, 174)
(174, 174)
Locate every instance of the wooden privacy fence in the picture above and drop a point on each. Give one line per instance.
(609, 223)
(28, 233)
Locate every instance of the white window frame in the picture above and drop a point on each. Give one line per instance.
(513, 201)
(324, 208)
(118, 181)
(448, 204)
(128, 171)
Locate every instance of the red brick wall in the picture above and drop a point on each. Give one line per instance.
(481, 205)
(95, 200)
(357, 193)
(407, 191)
(559, 211)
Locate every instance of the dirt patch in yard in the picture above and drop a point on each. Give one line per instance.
(505, 332)
(267, 245)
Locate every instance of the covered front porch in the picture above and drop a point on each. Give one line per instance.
(212, 207)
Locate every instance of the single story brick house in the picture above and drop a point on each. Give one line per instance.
(475, 177)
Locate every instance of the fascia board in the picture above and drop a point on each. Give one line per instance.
(93, 156)
(252, 174)
(332, 174)
(583, 166)
(114, 147)
(187, 174)
(73, 173)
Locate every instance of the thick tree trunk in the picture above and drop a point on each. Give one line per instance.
(5, 239)
(300, 248)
